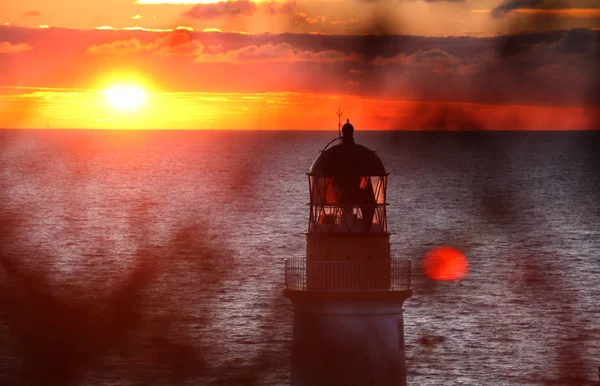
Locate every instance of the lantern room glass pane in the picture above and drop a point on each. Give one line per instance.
(347, 190)
(379, 188)
(347, 203)
(338, 218)
(323, 191)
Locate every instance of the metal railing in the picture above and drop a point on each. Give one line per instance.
(393, 275)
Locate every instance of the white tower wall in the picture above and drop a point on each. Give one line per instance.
(348, 247)
(350, 339)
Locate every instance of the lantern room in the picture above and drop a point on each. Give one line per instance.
(347, 185)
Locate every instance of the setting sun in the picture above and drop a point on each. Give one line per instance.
(446, 264)
(126, 98)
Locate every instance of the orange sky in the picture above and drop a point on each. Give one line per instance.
(290, 64)
(72, 108)
(438, 18)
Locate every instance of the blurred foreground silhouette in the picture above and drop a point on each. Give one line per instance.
(58, 335)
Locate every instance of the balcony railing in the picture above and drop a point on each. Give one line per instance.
(393, 275)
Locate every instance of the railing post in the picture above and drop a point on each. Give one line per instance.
(285, 275)
(409, 274)
(303, 274)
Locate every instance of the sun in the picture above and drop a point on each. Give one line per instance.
(445, 263)
(125, 97)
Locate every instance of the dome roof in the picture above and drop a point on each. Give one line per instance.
(348, 159)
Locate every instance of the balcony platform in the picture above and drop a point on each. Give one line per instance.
(348, 276)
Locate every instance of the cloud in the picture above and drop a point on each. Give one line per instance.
(508, 6)
(304, 18)
(577, 41)
(441, 63)
(583, 13)
(587, 9)
(119, 47)
(430, 57)
(247, 8)
(282, 52)
(228, 48)
(221, 9)
(275, 7)
(11, 48)
(32, 13)
(436, 60)
(397, 1)
(300, 17)
(176, 43)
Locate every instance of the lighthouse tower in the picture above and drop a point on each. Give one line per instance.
(348, 292)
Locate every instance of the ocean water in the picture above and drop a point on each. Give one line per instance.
(134, 258)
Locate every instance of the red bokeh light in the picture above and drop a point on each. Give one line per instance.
(445, 263)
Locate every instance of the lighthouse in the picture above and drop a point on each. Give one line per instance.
(348, 292)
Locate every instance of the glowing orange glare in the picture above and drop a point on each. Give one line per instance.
(445, 263)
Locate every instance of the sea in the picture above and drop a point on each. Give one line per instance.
(157, 257)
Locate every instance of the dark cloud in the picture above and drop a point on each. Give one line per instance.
(577, 41)
(247, 7)
(221, 9)
(275, 53)
(399, 1)
(556, 8)
(288, 8)
(510, 5)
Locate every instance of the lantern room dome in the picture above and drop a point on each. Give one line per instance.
(348, 158)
